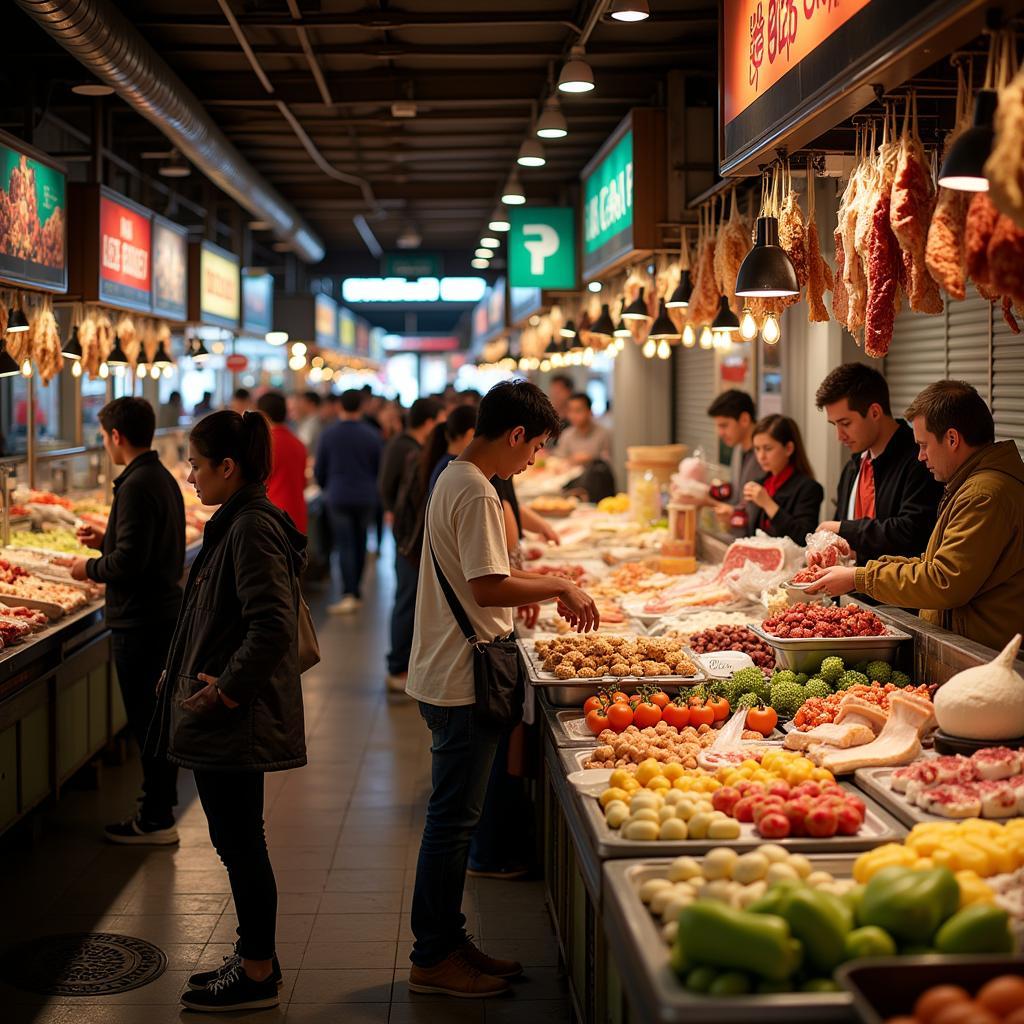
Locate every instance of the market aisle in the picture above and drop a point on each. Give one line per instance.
(344, 834)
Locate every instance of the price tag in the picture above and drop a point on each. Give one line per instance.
(722, 664)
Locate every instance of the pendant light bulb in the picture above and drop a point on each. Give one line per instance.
(771, 331)
(629, 10)
(513, 194)
(650, 348)
(707, 340)
(663, 349)
(499, 220)
(545, 366)
(767, 271)
(142, 369)
(26, 368)
(689, 336)
(588, 356)
(637, 309)
(17, 322)
(155, 372)
(551, 124)
(531, 154)
(748, 325)
(76, 368)
(104, 371)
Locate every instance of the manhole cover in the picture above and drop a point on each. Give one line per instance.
(89, 964)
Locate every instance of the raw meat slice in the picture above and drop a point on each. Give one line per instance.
(951, 801)
(1004, 167)
(946, 248)
(704, 300)
(882, 261)
(817, 283)
(1006, 261)
(997, 762)
(998, 799)
(1011, 320)
(731, 248)
(793, 239)
(840, 297)
(898, 743)
(982, 217)
(768, 556)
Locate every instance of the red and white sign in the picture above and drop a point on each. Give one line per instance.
(125, 254)
(236, 363)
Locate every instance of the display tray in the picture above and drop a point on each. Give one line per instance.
(805, 655)
(886, 987)
(575, 732)
(879, 827)
(635, 937)
(946, 744)
(48, 608)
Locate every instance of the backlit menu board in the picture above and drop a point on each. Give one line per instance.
(257, 303)
(170, 269)
(325, 320)
(125, 253)
(215, 286)
(33, 218)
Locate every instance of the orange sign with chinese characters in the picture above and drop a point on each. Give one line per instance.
(765, 39)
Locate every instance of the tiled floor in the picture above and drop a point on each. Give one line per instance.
(344, 834)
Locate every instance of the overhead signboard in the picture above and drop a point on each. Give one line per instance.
(789, 70)
(524, 303)
(257, 303)
(624, 193)
(346, 330)
(215, 286)
(325, 321)
(488, 321)
(421, 343)
(126, 251)
(170, 269)
(33, 218)
(542, 247)
(410, 266)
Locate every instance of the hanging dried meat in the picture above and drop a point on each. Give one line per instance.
(910, 210)
(19, 344)
(46, 347)
(1006, 261)
(982, 217)
(1008, 311)
(1005, 165)
(819, 274)
(731, 248)
(840, 297)
(3, 316)
(704, 300)
(853, 280)
(793, 239)
(90, 345)
(129, 337)
(882, 262)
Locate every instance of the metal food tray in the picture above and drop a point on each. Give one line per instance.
(879, 827)
(643, 957)
(807, 654)
(875, 782)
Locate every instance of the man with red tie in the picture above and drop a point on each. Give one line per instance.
(888, 501)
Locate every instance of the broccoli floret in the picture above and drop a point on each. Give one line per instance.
(862, 667)
(817, 687)
(748, 700)
(786, 698)
(879, 672)
(852, 678)
(900, 679)
(831, 669)
(802, 677)
(785, 676)
(747, 680)
(721, 688)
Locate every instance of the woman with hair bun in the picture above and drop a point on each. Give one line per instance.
(229, 704)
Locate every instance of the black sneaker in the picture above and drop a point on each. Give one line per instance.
(233, 990)
(136, 832)
(206, 978)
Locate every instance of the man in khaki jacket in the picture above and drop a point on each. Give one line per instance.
(971, 577)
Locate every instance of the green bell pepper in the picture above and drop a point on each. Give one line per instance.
(852, 898)
(821, 922)
(978, 928)
(910, 905)
(773, 899)
(719, 936)
(869, 941)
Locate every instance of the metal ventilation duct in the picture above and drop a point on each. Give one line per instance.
(99, 36)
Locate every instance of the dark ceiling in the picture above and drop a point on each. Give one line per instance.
(477, 73)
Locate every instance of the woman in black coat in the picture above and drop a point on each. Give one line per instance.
(788, 498)
(230, 703)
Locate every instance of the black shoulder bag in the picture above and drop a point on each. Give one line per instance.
(498, 676)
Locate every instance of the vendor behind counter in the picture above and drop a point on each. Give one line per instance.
(970, 579)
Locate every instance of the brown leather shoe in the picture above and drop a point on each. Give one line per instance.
(456, 976)
(489, 964)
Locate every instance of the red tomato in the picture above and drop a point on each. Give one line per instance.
(597, 720)
(676, 715)
(763, 719)
(701, 714)
(774, 826)
(646, 715)
(660, 698)
(591, 704)
(618, 697)
(720, 707)
(620, 716)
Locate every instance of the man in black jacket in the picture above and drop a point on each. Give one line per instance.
(142, 563)
(887, 501)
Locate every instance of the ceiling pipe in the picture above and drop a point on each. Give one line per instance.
(106, 43)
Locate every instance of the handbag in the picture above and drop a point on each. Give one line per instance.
(309, 645)
(499, 681)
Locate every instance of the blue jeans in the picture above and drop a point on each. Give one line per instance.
(349, 524)
(403, 615)
(462, 752)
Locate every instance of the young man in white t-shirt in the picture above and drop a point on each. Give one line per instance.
(465, 528)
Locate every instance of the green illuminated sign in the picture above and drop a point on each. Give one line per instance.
(608, 201)
(542, 247)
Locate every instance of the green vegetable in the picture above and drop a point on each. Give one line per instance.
(817, 687)
(732, 983)
(786, 698)
(879, 671)
(820, 985)
(784, 676)
(910, 905)
(700, 979)
(853, 897)
(719, 936)
(900, 679)
(861, 667)
(978, 928)
(821, 922)
(831, 669)
(802, 677)
(848, 679)
(747, 680)
(869, 941)
(748, 700)
(679, 961)
(771, 902)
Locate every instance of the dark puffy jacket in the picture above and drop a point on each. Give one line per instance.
(239, 624)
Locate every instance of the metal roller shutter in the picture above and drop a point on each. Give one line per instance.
(1007, 381)
(916, 357)
(967, 333)
(696, 386)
